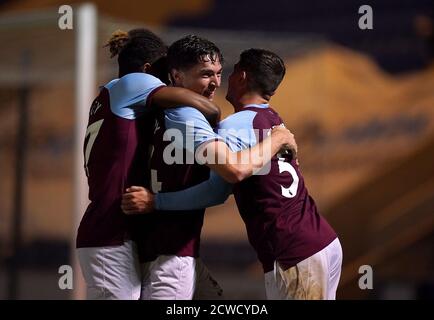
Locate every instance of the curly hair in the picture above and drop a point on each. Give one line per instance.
(135, 48)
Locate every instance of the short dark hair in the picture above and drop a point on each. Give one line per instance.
(189, 50)
(265, 70)
(135, 48)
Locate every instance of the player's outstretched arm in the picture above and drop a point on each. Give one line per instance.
(209, 149)
(171, 97)
(211, 192)
(215, 190)
(237, 166)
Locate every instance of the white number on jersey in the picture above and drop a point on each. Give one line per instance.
(292, 190)
(155, 184)
(92, 131)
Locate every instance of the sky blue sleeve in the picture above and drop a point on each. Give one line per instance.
(129, 95)
(211, 192)
(237, 130)
(192, 124)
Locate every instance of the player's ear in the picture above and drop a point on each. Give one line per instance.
(176, 76)
(170, 79)
(243, 77)
(146, 67)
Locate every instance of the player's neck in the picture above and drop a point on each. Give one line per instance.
(249, 98)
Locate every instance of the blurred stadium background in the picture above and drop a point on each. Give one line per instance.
(361, 104)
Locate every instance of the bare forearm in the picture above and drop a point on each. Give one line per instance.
(236, 166)
(171, 97)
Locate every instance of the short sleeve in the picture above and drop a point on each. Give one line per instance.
(192, 124)
(130, 95)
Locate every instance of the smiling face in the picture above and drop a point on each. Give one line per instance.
(203, 78)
